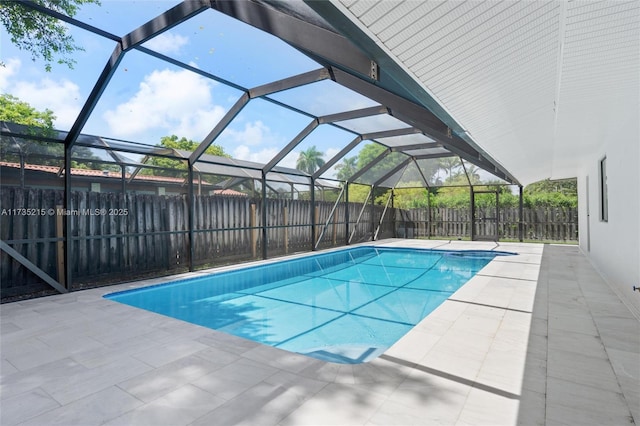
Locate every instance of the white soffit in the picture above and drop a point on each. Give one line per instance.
(599, 96)
(521, 77)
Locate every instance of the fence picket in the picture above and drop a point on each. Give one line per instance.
(538, 223)
(108, 245)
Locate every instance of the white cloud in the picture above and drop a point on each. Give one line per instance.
(167, 43)
(60, 96)
(263, 156)
(251, 153)
(256, 142)
(290, 160)
(243, 152)
(9, 69)
(253, 134)
(333, 98)
(176, 102)
(330, 153)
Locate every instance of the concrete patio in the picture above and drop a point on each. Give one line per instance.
(537, 338)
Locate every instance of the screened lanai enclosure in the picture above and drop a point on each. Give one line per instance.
(98, 198)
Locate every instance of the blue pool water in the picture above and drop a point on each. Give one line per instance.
(347, 306)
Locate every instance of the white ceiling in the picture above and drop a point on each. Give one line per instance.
(537, 84)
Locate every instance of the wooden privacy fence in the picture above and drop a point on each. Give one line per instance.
(113, 236)
(228, 227)
(539, 223)
(116, 237)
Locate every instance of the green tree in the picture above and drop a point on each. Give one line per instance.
(372, 151)
(369, 153)
(472, 172)
(457, 179)
(449, 165)
(565, 186)
(358, 193)
(44, 36)
(183, 144)
(552, 193)
(347, 168)
(40, 123)
(415, 174)
(310, 160)
(409, 198)
(454, 197)
(16, 111)
(190, 145)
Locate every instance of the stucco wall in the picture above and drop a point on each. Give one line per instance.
(613, 246)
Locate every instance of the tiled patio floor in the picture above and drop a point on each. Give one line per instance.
(534, 339)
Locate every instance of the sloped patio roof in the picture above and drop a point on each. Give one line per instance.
(538, 84)
(410, 136)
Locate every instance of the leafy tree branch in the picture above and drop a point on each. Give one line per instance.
(44, 36)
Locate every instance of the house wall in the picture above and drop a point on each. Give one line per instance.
(42, 179)
(613, 246)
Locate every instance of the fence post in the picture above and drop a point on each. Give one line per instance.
(473, 211)
(60, 244)
(428, 224)
(373, 224)
(316, 220)
(312, 191)
(190, 216)
(254, 231)
(497, 216)
(285, 222)
(393, 217)
(520, 216)
(67, 217)
(264, 215)
(346, 213)
(335, 230)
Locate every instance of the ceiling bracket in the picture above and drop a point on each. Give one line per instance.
(374, 71)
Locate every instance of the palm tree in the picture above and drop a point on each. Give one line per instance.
(472, 172)
(448, 164)
(310, 160)
(347, 168)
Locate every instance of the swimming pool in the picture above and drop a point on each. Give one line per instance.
(345, 306)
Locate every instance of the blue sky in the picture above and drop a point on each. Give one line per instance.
(148, 98)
